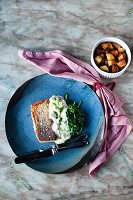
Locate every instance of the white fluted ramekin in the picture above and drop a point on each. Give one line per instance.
(118, 41)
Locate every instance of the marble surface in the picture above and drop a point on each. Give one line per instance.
(72, 26)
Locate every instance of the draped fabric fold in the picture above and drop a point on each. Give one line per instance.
(60, 64)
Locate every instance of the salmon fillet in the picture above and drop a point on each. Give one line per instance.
(42, 122)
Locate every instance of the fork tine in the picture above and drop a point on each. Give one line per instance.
(75, 145)
(74, 140)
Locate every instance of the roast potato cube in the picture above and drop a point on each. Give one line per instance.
(121, 50)
(122, 63)
(111, 62)
(121, 56)
(115, 69)
(117, 46)
(114, 52)
(99, 51)
(104, 68)
(98, 59)
(101, 55)
(104, 45)
(110, 45)
(110, 56)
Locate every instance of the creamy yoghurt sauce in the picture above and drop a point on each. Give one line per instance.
(57, 112)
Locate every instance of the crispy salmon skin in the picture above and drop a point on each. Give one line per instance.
(42, 122)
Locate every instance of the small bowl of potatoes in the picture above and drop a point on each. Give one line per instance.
(110, 57)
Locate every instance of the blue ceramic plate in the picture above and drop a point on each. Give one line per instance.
(19, 125)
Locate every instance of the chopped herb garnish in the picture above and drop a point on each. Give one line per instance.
(61, 109)
(56, 114)
(66, 96)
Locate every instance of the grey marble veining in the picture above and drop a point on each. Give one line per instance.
(72, 26)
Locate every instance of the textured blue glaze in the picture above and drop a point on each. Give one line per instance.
(19, 125)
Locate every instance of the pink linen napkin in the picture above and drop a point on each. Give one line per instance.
(60, 64)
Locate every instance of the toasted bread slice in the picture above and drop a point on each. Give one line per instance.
(42, 122)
